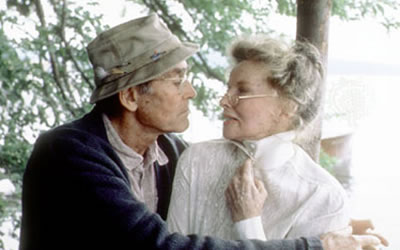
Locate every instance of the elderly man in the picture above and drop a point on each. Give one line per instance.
(99, 182)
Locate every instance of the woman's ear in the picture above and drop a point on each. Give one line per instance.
(289, 109)
(128, 99)
(287, 114)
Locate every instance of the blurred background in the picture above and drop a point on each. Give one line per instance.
(45, 80)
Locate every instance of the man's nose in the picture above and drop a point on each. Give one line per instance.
(189, 91)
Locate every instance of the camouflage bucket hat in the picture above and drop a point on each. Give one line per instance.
(132, 53)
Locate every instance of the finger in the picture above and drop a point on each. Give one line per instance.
(367, 224)
(383, 240)
(370, 225)
(247, 170)
(230, 191)
(260, 185)
(361, 226)
(345, 231)
(228, 196)
(370, 248)
(367, 240)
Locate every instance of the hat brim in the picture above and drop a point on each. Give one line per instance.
(146, 73)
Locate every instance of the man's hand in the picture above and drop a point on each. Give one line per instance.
(365, 227)
(245, 194)
(344, 240)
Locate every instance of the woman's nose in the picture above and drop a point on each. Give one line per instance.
(223, 102)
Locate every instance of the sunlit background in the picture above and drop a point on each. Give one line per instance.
(364, 90)
(363, 99)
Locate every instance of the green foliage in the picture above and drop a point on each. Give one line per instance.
(213, 25)
(45, 79)
(287, 7)
(386, 11)
(328, 162)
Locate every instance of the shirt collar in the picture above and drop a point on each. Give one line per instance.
(154, 152)
(269, 152)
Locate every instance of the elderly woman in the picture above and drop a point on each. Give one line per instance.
(272, 92)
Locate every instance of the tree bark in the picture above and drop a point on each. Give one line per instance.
(313, 26)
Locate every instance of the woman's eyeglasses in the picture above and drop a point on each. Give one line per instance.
(234, 99)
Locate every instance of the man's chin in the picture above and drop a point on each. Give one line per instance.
(181, 128)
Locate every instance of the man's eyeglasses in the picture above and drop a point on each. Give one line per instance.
(234, 99)
(179, 81)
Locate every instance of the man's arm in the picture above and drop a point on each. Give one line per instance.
(77, 196)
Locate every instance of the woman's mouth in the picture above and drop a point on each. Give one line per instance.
(228, 118)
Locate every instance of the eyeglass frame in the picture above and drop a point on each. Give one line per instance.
(235, 102)
(182, 79)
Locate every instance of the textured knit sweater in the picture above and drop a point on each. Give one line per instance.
(77, 195)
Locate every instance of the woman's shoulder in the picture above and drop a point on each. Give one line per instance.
(312, 173)
(209, 146)
(328, 193)
(206, 152)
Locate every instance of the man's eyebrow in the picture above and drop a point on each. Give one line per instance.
(179, 70)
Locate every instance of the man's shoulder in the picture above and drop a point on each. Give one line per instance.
(86, 130)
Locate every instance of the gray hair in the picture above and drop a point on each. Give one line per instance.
(296, 71)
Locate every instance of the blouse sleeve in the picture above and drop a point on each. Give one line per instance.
(322, 215)
(251, 228)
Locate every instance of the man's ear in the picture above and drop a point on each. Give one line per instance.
(128, 99)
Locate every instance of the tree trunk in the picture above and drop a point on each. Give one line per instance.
(313, 26)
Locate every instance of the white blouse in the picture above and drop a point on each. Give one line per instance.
(303, 198)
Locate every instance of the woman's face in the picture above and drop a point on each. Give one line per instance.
(252, 118)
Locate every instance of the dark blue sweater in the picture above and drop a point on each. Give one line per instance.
(76, 195)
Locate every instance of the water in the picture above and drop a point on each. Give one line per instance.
(376, 165)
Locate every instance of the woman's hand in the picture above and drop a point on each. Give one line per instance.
(365, 227)
(345, 240)
(245, 194)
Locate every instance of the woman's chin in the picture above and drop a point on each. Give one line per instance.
(228, 134)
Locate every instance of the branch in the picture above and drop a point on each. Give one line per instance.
(53, 61)
(62, 36)
(67, 46)
(47, 95)
(174, 25)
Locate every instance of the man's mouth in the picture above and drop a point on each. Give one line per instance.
(186, 112)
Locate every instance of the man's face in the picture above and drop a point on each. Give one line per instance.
(166, 107)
